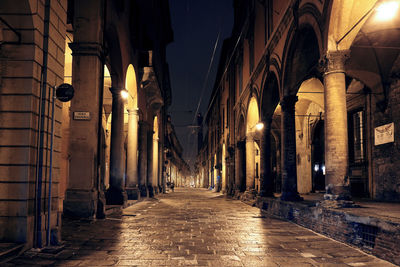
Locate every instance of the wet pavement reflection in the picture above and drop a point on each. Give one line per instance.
(195, 227)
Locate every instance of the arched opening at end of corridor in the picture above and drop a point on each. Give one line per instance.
(252, 146)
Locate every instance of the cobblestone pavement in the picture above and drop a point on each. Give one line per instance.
(195, 227)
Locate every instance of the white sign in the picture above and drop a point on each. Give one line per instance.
(384, 134)
(82, 115)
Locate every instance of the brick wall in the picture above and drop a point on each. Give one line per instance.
(373, 235)
(21, 78)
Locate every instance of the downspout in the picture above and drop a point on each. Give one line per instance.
(50, 169)
(41, 122)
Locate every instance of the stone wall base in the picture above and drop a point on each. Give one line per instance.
(80, 203)
(133, 193)
(373, 235)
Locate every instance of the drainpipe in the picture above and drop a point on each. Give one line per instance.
(50, 170)
(41, 122)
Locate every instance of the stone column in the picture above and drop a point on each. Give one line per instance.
(82, 195)
(132, 180)
(150, 167)
(336, 136)
(161, 188)
(288, 136)
(265, 161)
(250, 162)
(116, 194)
(143, 129)
(240, 166)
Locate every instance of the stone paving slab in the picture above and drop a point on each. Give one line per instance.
(195, 227)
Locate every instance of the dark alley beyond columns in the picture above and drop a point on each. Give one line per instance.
(195, 227)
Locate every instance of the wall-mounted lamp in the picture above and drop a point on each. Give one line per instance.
(259, 126)
(124, 94)
(387, 10)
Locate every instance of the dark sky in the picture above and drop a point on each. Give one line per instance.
(196, 25)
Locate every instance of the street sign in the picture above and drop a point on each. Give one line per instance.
(65, 92)
(82, 115)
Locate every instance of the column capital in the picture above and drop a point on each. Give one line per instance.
(116, 91)
(288, 102)
(334, 61)
(133, 111)
(86, 49)
(267, 124)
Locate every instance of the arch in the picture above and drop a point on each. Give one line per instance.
(343, 16)
(253, 116)
(155, 153)
(241, 129)
(270, 95)
(131, 86)
(252, 119)
(155, 128)
(114, 57)
(301, 58)
(374, 51)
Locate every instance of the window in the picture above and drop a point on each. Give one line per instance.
(268, 19)
(357, 137)
(223, 120)
(240, 72)
(227, 113)
(251, 45)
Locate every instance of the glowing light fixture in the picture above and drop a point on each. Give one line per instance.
(387, 10)
(124, 94)
(259, 126)
(316, 167)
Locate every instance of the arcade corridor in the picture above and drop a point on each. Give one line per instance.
(195, 227)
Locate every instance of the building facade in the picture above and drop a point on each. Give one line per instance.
(106, 144)
(177, 170)
(322, 78)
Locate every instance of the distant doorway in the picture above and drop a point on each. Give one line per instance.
(318, 157)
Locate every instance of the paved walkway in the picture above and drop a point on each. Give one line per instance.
(195, 227)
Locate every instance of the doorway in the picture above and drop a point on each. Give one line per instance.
(318, 157)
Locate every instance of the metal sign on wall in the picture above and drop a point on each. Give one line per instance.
(82, 115)
(384, 134)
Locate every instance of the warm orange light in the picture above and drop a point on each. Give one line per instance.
(124, 94)
(387, 10)
(259, 126)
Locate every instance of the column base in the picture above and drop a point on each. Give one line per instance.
(133, 193)
(291, 196)
(266, 193)
(80, 203)
(116, 196)
(143, 190)
(337, 192)
(150, 191)
(101, 205)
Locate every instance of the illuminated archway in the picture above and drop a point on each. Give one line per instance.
(132, 118)
(155, 153)
(253, 118)
(309, 113)
(344, 16)
(240, 177)
(223, 160)
(131, 86)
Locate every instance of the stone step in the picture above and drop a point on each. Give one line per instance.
(9, 251)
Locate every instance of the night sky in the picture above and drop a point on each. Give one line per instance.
(196, 25)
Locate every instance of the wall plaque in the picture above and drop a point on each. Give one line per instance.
(384, 134)
(82, 115)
